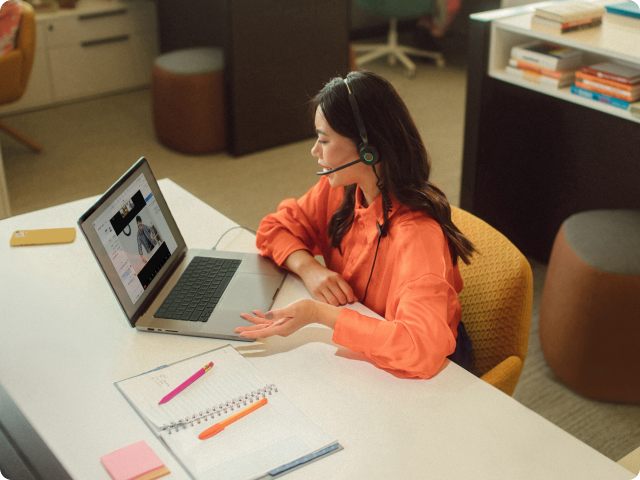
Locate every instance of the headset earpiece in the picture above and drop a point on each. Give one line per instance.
(368, 154)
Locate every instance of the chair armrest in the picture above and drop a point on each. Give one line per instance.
(11, 74)
(505, 375)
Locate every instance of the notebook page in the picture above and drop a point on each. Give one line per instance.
(231, 376)
(273, 435)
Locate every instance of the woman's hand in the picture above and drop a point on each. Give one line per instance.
(287, 320)
(326, 285)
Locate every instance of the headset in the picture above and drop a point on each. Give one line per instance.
(367, 153)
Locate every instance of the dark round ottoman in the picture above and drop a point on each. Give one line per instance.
(590, 310)
(188, 100)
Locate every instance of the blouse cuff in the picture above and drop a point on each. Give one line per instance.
(354, 330)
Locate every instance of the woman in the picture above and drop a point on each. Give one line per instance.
(385, 233)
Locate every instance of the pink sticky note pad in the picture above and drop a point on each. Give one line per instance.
(131, 462)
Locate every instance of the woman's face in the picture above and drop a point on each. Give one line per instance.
(333, 150)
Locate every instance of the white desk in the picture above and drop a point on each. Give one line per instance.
(64, 341)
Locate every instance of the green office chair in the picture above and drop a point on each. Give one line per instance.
(394, 10)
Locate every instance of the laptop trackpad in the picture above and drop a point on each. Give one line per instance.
(249, 292)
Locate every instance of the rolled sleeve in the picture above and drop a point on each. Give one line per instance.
(355, 331)
(298, 224)
(417, 337)
(282, 233)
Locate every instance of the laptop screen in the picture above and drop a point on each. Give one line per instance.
(133, 236)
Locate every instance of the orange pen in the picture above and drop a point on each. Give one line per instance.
(218, 427)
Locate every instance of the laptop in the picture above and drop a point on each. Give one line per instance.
(161, 285)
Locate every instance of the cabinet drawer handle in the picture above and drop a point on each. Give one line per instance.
(90, 16)
(102, 41)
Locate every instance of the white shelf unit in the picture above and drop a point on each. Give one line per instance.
(99, 47)
(618, 39)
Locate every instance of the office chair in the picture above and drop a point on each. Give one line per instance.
(15, 68)
(393, 10)
(496, 303)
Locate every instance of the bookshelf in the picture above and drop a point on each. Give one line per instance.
(533, 154)
(618, 38)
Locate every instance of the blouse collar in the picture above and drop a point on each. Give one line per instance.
(374, 211)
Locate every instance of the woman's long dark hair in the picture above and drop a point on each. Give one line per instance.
(404, 162)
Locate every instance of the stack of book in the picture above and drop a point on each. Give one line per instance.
(609, 82)
(564, 17)
(544, 63)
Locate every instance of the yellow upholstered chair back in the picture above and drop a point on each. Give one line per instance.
(496, 303)
(15, 67)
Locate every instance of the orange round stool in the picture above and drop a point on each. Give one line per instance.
(188, 100)
(590, 309)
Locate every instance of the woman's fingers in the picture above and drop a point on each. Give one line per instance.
(264, 330)
(256, 320)
(337, 294)
(261, 320)
(251, 328)
(348, 291)
(283, 321)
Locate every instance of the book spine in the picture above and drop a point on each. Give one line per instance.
(591, 22)
(514, 62)
(559, 31)
(535, 58)
(580, 26)
(592, 78)
(604, 91)
(625, 94)
(564, 27)
(534, 77)
(607, 76)
(615, 102)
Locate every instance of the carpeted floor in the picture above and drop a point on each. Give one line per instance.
(88, 145)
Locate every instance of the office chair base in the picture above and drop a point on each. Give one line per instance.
(395, 51)
(21, 137)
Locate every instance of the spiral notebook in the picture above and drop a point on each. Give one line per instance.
(267, 443)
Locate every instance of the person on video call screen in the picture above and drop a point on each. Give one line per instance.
(146, 239)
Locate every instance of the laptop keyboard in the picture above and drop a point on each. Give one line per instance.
(199, 289)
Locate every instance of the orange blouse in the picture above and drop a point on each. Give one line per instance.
(414, 284)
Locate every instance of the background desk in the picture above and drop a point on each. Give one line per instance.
(65, 341)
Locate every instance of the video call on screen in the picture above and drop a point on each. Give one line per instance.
(125, 219)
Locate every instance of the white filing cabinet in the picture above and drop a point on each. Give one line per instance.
(100, 47)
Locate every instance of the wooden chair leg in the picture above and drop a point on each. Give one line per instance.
(20, 136)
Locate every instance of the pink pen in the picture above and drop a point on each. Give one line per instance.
(186, 383)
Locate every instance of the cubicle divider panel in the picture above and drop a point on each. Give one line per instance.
(277, 56)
